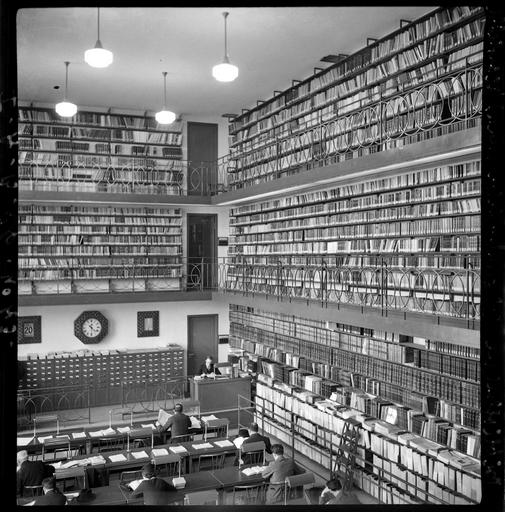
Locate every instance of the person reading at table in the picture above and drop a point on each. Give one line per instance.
(155, 490)
(333, 494)
(276, 472)
(209, 369)
(30, 472)
(179, 423)
(256, 437)
(52, 495)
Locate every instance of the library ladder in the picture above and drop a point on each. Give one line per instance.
(345, 459)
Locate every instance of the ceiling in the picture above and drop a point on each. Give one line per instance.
(271, 46)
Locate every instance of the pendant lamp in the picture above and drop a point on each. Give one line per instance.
(65, 108)
(225, 72)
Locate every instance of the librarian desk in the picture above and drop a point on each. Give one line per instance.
(221, 393)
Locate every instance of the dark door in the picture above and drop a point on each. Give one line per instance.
(202, 250)
(202, 156)
(202, 340)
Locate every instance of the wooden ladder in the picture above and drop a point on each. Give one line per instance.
(345, 459)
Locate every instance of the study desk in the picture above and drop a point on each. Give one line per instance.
(219, 394)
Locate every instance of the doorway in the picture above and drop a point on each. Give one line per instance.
(202, 340)
(201, 250)
(202, 156)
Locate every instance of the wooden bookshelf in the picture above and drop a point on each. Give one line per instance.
(99, 152)
(299, 370)
(396, 91)
(85, 249)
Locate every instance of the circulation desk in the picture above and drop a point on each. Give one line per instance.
(220, 393)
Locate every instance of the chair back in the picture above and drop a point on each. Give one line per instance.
(253, 453)
(186, 438)
(50, 447)
(107, 444)
(297, 481)
(34, 490)
(249, 494)
(171, 462)
(129, 476)
(75, 472)
(217, 427)
(201, 498)
(211, 462)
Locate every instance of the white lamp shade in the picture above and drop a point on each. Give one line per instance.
(98, 57)
(165, 117)
(66, 109)
(225, 72)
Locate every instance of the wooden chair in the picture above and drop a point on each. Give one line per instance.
(202, 498)
(210, 462)
(187, 438)
(51, 448)
(216, 428)
(253, 453)
(304, 482)
(110, 444)
(129, 476)
(249, 494)
(73, 474)
(33, 490)
(170, 463)
(141, 438)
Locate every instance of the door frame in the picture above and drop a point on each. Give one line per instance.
(216, 316)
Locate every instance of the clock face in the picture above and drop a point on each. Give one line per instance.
(92, 327)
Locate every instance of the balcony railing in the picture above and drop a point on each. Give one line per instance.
(454, 293)
(444, 104)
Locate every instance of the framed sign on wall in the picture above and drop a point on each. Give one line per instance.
(30, 329)
(148, 323)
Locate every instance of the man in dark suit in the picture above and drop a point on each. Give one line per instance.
(256, 437)
(208, 368)
(52, 496)
(277, 471)
(333, 494)
(179, 423)
(30, 472)
(155, 490)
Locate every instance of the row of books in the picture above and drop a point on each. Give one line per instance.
(105, 239)
(114, 188)
(46, 262)
(123, 212)
(341, 71)
(96, 118)
(412, 179)
(99, 273)
(80, 229)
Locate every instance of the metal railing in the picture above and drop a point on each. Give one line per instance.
(454, 293)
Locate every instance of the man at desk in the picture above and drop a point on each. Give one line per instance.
(29, 472)
(277, 471)
(155, 490)
(208, 369)
(179, 423)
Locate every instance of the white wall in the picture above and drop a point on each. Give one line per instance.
(58, 325)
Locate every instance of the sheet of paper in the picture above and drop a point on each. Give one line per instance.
(207, 418)
(43, 438)
(56, 465)
(23, 441)
(133, 485)
(255, 470)
(79, 435)
(202, 446)
(97, 433)
(98, 459)
(63, 436)
(117, 458)
(195, 423)
(108, 431)
(123, 430)
(140, 455)
(148, 425)
(178, 449)
(69, 464)
(223, 444)
(158, 452)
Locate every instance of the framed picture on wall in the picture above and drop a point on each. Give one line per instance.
(148, 323)
(29, 329)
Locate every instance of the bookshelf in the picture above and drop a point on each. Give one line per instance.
(421, 81)
(81, 249)
(99, 152)
(407, 392)
(421, 229)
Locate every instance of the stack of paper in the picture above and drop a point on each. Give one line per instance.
(108, 432)
(97, 433)
(79, 435)
(140, 455)
(70, 464)
(117, 458)
(148, 425)
(43, 438)
(63, 436)
(123, 430)
(255, 470)
(158, 452)
(178, 449)
(97, 459)
(133, 485)
(207, 418)
(223, 444)
(202, 446)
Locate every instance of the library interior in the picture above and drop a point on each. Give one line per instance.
(249, 255)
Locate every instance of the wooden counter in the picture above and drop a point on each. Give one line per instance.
(219, 394)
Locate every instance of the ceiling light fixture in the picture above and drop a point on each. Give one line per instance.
(225, 72)
(65, 108)
(165, 116)
(98, 57)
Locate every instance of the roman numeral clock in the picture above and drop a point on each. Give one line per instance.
(91, 327)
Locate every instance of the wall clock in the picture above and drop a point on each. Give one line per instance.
(91, 327)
